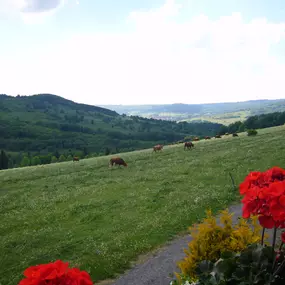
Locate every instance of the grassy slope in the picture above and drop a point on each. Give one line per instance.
(100, 219)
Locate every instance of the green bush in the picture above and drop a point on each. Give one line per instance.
(35, 160)
(62, 158)
(251, 132)
(25, 161)
(69, 158)
(53, 159)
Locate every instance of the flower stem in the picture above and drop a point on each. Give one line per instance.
(233, 182)
(273, 248)
(281, 245)
(262, 237)
(279, 269)
(274, 240)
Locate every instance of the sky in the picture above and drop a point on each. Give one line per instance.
(143, 51)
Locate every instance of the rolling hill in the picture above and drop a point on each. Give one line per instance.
(101, 219)
(48, 123)
(224, 113)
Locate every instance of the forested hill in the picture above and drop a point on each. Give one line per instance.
(51, 124)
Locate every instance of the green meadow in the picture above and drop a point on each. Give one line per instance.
(102, 219)
(225, 119)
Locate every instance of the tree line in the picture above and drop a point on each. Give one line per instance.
(117, 142)
(12, 160)
(255, 122)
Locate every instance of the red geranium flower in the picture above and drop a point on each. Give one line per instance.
(250, 180)
(267, 222)
(275, 174)
(55, 273)
(264, 195)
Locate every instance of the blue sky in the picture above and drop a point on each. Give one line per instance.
(143, 51)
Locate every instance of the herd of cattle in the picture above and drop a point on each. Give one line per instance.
(187, 145)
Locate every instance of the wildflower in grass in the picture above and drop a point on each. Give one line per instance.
(55, 273)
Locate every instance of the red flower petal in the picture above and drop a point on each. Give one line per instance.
(282, 200)
(276, 189)
(276, 173)
(55, 273)
(266, 222)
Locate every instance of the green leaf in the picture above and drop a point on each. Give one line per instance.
(245, 258)
(227, 254)
(257, 254)
(224, 266)
(239, 273)
(205, 266)
(267, 252)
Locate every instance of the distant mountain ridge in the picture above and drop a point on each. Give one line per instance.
(190, 112)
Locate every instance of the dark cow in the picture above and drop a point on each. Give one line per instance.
(158, 147)
(188, 145)
(218, 137)
(226, 134)
(117, 161)
(196, 139)
(75, 158)
(207, 138)
(235, 135)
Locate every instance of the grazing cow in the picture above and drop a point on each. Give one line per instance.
(196, 139)
(158, 147)
(226, 134)
(188, 145)
(218, 137)
(207, 138)
(75, 158)
(235, 135)
(117, 161)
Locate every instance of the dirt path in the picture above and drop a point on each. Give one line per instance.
(157, 268)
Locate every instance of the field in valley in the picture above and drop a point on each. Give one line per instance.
(225, 119)
(101, 219)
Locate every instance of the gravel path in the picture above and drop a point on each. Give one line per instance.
(158, 266)
(156, 269)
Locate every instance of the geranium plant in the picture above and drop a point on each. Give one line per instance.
(258, 263)
(55, 273)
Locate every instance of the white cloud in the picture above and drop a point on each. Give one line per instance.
(162, 60)
(30, 11)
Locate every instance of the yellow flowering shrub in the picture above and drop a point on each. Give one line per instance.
(210, 240)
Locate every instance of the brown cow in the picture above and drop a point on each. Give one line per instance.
(158, 147)
(196, 139)
(207, 138)
(75, 158)
(218, 137)
(235, 135)
(188, 145)
(117, 161)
